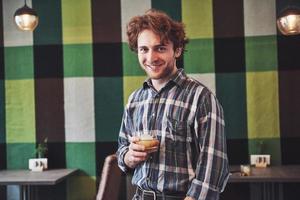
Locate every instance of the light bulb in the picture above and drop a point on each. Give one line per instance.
(26, 18)
(289, 22)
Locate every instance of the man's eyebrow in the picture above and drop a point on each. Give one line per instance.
(142, 46)
(162, 44)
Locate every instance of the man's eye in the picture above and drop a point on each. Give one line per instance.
(161, 49)
(142, 50)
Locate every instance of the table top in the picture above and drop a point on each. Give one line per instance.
(27, 177)
(282, 173)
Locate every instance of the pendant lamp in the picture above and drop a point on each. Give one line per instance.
(26, 18)
(288, 21)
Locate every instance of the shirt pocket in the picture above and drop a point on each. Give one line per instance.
(178, 136)
(179, 131)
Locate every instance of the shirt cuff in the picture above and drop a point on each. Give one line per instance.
(203, 191)
(121, 154)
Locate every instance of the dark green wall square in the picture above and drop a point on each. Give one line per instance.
(49, 29)
(171, 7)
(19, 62)
(2, 112)
(78, 60)
(261, 53)
(131, 66)
(108, 107)
(82, 156)
(231, 92)
(270, 146)
(18, 155)
(199, 57)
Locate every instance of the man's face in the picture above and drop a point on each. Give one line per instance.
(157, 59)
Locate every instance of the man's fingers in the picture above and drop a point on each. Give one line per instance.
(136, 147)
(139, 154)
(137, 157)
(136, 153)
(137, 160)
(134, 139)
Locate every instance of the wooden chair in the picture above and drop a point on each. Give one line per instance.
(110, 181)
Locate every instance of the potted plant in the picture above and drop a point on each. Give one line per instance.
(41, 149)
(261, 159)
(40, 163)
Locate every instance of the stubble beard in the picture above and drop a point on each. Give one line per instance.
(166, 73)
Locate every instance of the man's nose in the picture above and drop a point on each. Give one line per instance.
(152, 56)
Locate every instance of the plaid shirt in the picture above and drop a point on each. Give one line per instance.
(188, 121)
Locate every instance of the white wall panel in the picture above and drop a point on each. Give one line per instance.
(132, 8)
(79, 109)
(260, 17)
(13, 36)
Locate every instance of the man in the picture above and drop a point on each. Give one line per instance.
(190, 162)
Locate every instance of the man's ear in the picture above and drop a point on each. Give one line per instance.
(178, 52)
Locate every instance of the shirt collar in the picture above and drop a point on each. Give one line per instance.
(178, 78)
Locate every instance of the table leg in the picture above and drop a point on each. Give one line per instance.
(33, 192)
(272, 191)
(25, 193)
(20, 192)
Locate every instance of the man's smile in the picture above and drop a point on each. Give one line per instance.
(154, 67)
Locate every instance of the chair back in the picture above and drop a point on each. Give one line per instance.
(110, 179)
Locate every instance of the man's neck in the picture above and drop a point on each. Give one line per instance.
(158, 84)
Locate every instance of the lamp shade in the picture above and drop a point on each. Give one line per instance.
(26, 18)
(288, 21)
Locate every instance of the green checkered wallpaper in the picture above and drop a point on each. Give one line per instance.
(69, 80)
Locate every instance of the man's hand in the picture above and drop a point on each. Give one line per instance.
(136, 153)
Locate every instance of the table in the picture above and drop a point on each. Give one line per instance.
(282, 173)
(267, 180)
(27, 178)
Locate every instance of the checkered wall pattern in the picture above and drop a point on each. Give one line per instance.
(70, 79)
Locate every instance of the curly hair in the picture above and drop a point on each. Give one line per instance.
(161, 24)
